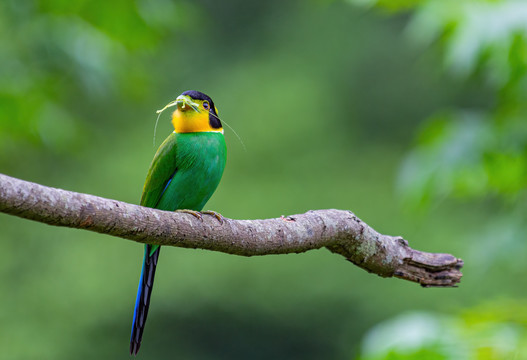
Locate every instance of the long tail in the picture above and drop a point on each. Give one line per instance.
(142, 302)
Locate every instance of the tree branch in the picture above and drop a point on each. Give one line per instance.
(339, 231)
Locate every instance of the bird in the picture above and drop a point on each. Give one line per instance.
(183, 175)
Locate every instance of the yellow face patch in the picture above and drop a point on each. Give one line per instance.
(195, 118)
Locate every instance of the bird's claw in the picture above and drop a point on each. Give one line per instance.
(194, 213)
(217, 215)
(199, 215)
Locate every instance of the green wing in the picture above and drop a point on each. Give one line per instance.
(161, 172)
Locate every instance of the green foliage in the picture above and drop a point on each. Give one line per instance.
(471, 152)
(486, 154)
(60, 58)
(493, 331)
(465, 154)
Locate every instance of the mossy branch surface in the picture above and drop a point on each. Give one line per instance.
(339, 231)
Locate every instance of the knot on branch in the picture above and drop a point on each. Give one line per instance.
(431, 270)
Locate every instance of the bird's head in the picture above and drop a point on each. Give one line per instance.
(195, 112)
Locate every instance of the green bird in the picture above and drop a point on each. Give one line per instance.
(184, 173)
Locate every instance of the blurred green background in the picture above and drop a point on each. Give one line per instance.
(412, 114)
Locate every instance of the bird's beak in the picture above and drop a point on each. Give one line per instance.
(184, 103)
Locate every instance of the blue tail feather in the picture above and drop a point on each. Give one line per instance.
(142, 301)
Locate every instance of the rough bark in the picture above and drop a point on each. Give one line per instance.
(339, 231)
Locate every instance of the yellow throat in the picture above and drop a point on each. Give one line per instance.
(192, 115)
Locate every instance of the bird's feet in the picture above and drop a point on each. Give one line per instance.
(194, 213)
(217, 215)
(199, 215)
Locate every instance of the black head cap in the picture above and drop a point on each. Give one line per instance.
(214, 120)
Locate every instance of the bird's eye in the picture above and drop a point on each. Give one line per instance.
(206, 105)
